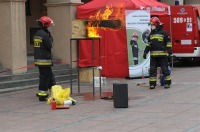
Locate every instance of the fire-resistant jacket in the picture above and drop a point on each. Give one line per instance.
(135, 49)
(42, 48)
(159, 43)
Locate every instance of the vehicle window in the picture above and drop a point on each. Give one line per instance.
(198, 22)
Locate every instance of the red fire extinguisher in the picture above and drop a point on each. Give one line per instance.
(53, 105)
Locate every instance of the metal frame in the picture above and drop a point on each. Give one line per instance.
(99, 59)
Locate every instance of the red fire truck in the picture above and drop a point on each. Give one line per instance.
(185, 31)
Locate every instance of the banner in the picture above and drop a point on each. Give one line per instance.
(137, 31)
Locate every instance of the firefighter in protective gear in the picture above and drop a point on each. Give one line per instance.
(135, 49)
(43, 43)
(160, 47)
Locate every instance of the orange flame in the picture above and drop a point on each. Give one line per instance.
(92, 32)
(107, 13)
(120, 15)
(94, 21)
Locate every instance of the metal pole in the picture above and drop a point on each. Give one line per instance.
(93, 66)
(71, 65)
(100, 65)
(78, 66)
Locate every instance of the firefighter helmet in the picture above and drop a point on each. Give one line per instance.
(46, 21)
(155, 21)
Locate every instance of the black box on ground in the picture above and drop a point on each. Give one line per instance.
(120, 95)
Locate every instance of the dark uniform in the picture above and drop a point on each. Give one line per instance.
(43, 42)
(160, 47)
(135, 51)
(135, 48)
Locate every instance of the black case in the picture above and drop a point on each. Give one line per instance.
(120, 95)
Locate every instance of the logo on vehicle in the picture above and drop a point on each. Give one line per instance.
(182, 10)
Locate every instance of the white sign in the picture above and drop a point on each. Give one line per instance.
(186, 42)
(137, 19)
(137, 30)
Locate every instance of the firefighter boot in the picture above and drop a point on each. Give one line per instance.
(42, 95)
(152, 87)
(152, 82)
(167, 86)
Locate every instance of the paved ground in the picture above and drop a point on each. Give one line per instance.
(160, 110)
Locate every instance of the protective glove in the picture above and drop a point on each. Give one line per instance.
(144, 55)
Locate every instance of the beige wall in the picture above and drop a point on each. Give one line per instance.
(62, 12)
(5, 34)
(13, 35)
(192, 2)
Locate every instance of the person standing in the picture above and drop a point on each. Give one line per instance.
(135, 49)
(145, 35)
(43, 43)
(160, 47)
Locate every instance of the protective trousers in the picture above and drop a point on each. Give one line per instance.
(135, 51)
(46, 78)
(159, 62)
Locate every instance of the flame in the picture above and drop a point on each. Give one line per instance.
(94, 21)
(120, 15)
(93, 32)
(107, 13)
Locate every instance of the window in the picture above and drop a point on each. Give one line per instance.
(198, 18)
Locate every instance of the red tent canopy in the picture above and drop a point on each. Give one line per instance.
(113, 43)
(86, 10)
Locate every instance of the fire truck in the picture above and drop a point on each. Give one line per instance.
(185, 31)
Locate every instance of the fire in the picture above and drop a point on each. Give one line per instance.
(120, 15)
(92, 32)
(107, 13)
(94, 21)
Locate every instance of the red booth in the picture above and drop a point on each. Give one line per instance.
(114, 56)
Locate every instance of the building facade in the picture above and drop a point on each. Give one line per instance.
(18, 26)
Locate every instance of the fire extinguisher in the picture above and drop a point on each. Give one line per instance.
(53, 105)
